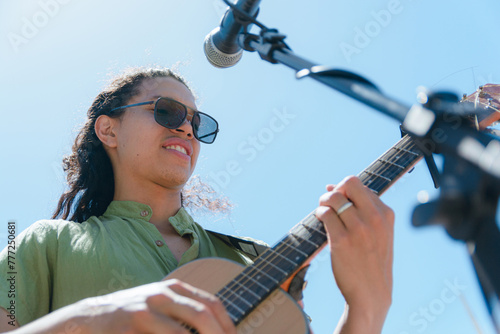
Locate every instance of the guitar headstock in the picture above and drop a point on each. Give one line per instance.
(486, 100)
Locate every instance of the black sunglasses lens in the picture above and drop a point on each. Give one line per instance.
(205, 127)
(170, 113)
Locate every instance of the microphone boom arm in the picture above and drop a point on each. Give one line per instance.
(418, 121)
(271, 48)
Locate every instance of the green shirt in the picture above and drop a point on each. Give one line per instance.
(59, 262)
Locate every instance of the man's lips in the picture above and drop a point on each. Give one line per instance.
(177, 148)
(178, 145)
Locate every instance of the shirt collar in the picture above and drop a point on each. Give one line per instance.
(129, 209)
(181, 221)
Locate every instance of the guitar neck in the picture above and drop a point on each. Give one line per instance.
(390, 166)
(278, 263)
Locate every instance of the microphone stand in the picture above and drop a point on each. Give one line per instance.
(471, 176)
(466, 208)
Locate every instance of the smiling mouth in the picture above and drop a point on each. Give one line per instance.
(176, 148)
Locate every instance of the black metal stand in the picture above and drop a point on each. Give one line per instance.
(466, 208)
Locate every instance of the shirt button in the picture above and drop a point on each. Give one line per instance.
(144, 213)
(159, 243)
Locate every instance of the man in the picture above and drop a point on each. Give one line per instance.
(129, 165)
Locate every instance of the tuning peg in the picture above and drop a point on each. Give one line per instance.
(481, 92)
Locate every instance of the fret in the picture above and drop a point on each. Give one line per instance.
(234, 313)
(404, 159)
(377, 175)
(249, 290)
(406, 151)
(307, 240)
(391, 163)
(299, 255)
(251, 279)
(378, 188)
(388, 171)
(232, 304)
(295, 252)
(317, 229)
(390, 166)
(305, 228)
(260, 290)
(372, 182)
(294, 248)
(301, 232)
(238, 294)
(286, 258)
(401, 156)
(297, 229)
(258, 277)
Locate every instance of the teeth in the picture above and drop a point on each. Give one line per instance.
(177, 148)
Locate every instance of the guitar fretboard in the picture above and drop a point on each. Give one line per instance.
(275, 265)
(389, 167)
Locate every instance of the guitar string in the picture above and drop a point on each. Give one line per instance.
(399, 154)
(403, 155)
(372, 180)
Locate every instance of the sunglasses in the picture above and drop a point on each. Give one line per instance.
(172, 114)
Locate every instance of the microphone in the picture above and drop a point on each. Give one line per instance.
(221, 44)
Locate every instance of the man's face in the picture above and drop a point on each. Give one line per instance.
(148, 152)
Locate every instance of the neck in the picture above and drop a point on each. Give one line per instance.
(165, 202)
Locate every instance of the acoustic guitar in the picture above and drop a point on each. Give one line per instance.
(252, 294)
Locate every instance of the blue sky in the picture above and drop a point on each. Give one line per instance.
(57, 55)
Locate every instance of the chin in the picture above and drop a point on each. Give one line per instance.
(175, 180)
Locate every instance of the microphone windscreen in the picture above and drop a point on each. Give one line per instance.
(216, 57)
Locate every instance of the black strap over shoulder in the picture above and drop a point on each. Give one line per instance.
(247, 247)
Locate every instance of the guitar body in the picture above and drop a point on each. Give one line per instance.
(278, 313)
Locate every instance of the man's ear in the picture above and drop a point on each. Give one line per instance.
(105, 129)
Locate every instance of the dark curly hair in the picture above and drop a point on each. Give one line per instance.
(88, 168)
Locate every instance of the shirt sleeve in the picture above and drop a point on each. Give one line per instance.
(25, 273)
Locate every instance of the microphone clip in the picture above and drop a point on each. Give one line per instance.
(268, 41)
